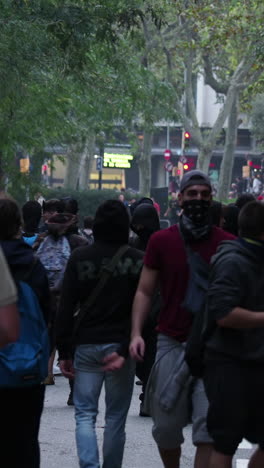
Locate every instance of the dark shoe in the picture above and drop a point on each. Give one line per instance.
(49, 380)
(142, 413)
(70, 400)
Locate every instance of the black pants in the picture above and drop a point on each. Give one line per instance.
(235, 392)
(20, 413)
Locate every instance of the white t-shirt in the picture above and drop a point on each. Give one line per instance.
(256, 186)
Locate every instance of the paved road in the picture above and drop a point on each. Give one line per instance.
(58, 443)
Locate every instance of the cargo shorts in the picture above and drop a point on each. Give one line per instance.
(191, 404)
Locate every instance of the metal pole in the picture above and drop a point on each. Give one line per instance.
(100, 173)
(101, 154)
(167, 147)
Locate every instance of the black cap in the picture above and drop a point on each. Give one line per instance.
(194, 178)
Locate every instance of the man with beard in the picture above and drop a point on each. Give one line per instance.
(166, 263)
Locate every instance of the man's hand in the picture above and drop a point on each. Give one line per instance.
(137, 348)
(113, 362)
(66, 367)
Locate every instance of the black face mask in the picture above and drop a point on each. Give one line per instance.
(197, 211)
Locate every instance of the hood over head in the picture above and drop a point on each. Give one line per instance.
(240, 246)
(146, 216)
(17, 252)
(111, 222)
(141, 201)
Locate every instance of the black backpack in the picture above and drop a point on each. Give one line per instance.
(195, 303)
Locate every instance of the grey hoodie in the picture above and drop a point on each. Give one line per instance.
(236, 280)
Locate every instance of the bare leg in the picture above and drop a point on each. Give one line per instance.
(170, 458)
(202, 456)
(257, 459)
(219, 460)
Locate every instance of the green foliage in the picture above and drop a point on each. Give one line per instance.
(66, 67)
(88, 200)
(257, 116)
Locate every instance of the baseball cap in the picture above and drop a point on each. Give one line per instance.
(195, 177)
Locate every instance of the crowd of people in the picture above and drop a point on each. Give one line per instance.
(121, 297)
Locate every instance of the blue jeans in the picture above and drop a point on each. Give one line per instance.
(88, 382)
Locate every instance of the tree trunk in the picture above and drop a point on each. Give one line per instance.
(204, 158)
(229, 152)
(86, 163)
(144, 164)
(73, 158)
(2, 175)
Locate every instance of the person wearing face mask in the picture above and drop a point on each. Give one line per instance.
(144, 222)
(166, 264)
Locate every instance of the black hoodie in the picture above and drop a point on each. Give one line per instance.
(145, 216)
(111, 322)
(237, 280)
(23, 265)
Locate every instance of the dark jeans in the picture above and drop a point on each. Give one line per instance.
(20, 412)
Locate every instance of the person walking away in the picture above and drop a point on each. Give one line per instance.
(53, 248)
(87, 230)
(50, 208)
(21, 406)
(9, 318)
(173, 210)
(31, 212)
(234, 356)
(166, 264)
(102, 339)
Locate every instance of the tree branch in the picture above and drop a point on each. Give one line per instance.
(189, 91)
(210, 79)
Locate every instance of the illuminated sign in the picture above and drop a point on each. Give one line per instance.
(122, 161)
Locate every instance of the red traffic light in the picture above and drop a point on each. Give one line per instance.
(187, 135)
(186, 167)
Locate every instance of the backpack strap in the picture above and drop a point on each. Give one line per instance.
(104, 276)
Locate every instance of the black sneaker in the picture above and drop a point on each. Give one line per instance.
(142, 413)
(70, 400)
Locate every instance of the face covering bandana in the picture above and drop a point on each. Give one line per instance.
(197, 211)
(195, 221)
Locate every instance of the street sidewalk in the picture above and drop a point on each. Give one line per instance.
(57, 436)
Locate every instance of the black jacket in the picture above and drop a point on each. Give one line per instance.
(236, 280)
(23, 265)
(111, 323)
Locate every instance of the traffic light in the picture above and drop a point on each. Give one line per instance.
(186, 140)
(186, 167)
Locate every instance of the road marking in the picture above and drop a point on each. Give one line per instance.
(245, 445)
(242, 463)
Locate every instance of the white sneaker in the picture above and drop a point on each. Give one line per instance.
(56, 370)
